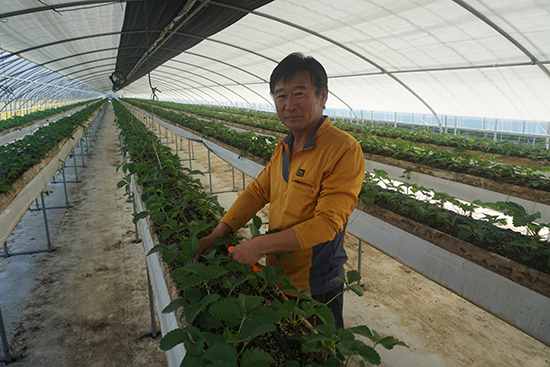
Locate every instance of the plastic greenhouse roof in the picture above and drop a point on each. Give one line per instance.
(487, 58)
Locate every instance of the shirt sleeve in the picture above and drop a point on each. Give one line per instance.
(338, 197)
(254, 198)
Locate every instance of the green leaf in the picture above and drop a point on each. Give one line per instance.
(264, 315)
(212, 338)
(197, 268)
(207, 321)
(326, 329)
(389, 342)
(190, 313)
(210, 298)
(254, 357)
(167, 233)
(192, 295)
(190, 281)
(353, 276)
(221, 352)
(215, 271)
(363, 331)
(121, 183)
(254, 232)
(157, 248)
(345, 335)
(257, 221)
(226, 310)
(194, 341)
(174, 305)
(356, 289)
(250, 302)
(159, 216)
(140, 215)
(325, 314)
(173, 338)
(369, 355)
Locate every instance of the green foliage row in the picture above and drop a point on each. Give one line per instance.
(531, 248)
(225, 320)
(527, 246)
(457, 161)
(418, 134)
(461, 162)
(249, 142)
(21, 155)
(24, 120)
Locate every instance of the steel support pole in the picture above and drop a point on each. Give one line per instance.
(75, 169)
(5, 248)
(359, 258)
(154, 329)
(189, 142)
(65, 187)
(233, 174)
(209, 170)
(137, 239)
(82, 152)
(49, 244)
(8, 357)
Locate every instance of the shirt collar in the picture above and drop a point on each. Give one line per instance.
(289, 140)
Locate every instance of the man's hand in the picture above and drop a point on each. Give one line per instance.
(248, 251)
(206, 246)
(207, 243)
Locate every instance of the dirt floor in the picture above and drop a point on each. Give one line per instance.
(441, 328)
(86, 304)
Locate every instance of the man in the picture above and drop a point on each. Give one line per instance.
(311, 182)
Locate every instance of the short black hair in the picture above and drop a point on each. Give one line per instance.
(294, 63)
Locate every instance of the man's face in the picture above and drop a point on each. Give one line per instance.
(298, 107)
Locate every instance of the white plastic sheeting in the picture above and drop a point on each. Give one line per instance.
(485, 58)
(452, 60)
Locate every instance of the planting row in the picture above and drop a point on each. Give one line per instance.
(19, 156)
(518, 237)
(420, 134)
(485, 232)
(231, 314)
(529, 176)
(22, 121)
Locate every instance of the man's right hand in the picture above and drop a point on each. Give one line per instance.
(205, 247)
(207, 243)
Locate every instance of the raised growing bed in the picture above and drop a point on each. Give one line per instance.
(506, 289)
(15, 202)
(19, 126)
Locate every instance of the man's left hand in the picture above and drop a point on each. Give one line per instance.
(247, 252)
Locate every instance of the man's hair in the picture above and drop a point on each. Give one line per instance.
(296, 62)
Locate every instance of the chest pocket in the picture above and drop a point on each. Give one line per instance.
(305, 186)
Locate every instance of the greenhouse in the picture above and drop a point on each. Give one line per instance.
(181, 184)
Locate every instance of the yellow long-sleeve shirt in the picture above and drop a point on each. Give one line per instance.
(314, 194)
